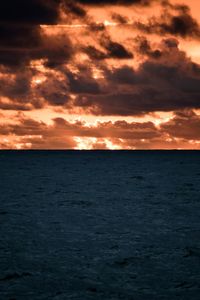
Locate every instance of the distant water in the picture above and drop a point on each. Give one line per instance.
(100, 225)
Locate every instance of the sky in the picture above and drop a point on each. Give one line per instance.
(97, 74)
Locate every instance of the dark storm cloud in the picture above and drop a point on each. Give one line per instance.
(56, 49)
(119, 18)
(73, 8)
(18, 35)
(21, 38)
(17, 42)
(29, 12)
(15, 87)
(174, 19)
(53, 91)
(185, 124)
(183, 25)
(29, 44)
(144, 48)
(116, 50)
(109, 48)
(113, 50)
(167, 82)
(37, 12)
(83, 82)
(94, 53)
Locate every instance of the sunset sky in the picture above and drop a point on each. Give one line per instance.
(97, 74)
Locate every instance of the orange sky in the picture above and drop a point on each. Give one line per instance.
(120, 76)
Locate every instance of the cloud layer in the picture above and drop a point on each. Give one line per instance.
(100, 58)
(181, 131)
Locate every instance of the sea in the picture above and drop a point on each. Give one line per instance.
(103, 225)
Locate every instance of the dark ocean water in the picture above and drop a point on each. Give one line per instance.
(100, 225)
